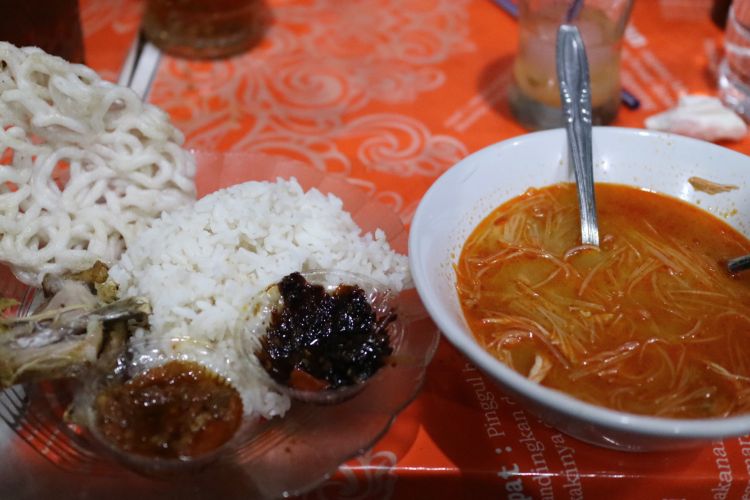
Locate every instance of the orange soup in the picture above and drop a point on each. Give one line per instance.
(649, 323)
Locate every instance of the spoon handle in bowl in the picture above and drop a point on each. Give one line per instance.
(575, 94)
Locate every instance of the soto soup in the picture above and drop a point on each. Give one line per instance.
(648, 323)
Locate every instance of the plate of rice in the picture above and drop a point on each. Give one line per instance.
(257, 218)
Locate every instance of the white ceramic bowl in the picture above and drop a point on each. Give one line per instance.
(467, 192)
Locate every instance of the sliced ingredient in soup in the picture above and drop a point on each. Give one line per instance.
(649, 323)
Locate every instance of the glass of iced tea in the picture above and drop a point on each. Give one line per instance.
(52, 25)
(205, 29)
(534, 95)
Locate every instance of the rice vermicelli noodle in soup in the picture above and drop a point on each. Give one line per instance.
(649, 323)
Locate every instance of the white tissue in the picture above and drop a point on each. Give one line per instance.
(702, 117)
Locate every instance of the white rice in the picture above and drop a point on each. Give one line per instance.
(201, 267)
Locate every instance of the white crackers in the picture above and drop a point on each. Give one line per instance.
(84, 165)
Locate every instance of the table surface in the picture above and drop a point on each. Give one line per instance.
(389, 94)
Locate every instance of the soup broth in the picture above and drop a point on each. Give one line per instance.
(649, 323)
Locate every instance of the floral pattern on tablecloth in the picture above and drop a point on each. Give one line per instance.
(329, 93)
(367, 477)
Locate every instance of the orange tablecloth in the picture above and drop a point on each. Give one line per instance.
(390, 93)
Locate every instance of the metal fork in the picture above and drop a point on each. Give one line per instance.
(140, 66)
(575, 94)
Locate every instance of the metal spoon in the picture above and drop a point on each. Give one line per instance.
(575, 94)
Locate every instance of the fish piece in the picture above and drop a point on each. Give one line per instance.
(72, 331)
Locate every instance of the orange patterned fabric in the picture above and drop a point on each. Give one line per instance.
(389, 94)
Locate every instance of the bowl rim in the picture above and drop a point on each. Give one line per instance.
(702, 428)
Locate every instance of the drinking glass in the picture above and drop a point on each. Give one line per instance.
(52, 25)
(534, 95)
(205, 29)
(734, 70)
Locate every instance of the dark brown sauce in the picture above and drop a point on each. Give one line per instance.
(320, 341)
(176, 410)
